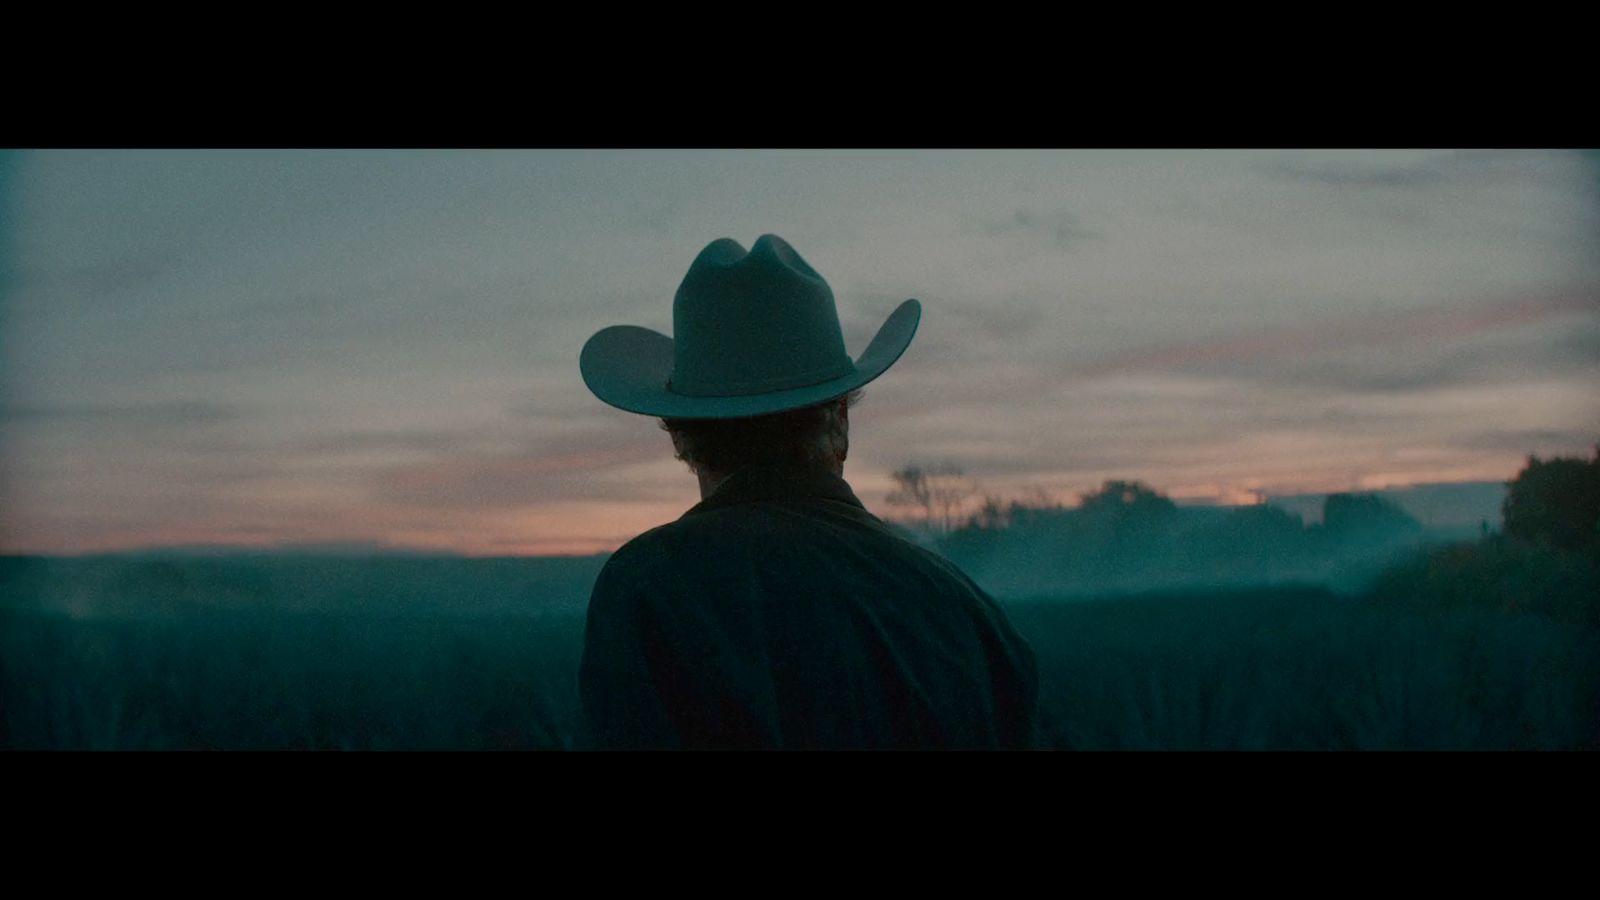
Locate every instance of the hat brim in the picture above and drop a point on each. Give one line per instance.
(628, 366)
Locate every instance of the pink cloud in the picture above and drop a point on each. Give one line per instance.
(1438, 323)
(441, 477)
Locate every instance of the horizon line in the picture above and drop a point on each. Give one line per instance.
(336, 549)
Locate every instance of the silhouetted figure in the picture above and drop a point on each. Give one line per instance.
(778, 612)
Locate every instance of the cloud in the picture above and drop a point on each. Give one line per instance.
(1353, 174)
(1057, 228)
(653, 217)
(974, 329)
(175, 414)
(1540, 441)
(1560, 347)
(94, 281)
(414, 440)
(1439, 323)
(513, 481)
(1362, 170)
(1549, 334)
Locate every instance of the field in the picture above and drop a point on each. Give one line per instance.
(1274, 668)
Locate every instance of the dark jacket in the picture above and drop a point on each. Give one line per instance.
(779, 613)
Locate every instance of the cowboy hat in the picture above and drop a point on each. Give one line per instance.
(754, 333)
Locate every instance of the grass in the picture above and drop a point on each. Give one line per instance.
(1276, 668)
(261, 680)
(1303, 669)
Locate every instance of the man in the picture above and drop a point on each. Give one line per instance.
(778, 612)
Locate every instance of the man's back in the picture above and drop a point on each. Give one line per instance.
(779, 613)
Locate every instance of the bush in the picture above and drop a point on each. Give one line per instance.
(1497, 574)
(1557, 503)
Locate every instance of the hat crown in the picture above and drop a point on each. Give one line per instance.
(752, 323)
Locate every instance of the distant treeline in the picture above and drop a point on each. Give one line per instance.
(1129, 537)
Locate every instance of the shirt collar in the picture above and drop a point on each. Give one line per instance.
(756, 483)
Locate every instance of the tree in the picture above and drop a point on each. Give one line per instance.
(1366, 516)
(942, 489)
(1555, 502)
(1365, 522)
(950, 489)
(1133, 497)
(912, 490)
(992, 515)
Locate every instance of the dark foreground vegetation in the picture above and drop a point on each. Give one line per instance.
(1273, 668)
(304, 680)
(1493, 644)
(1303, 669)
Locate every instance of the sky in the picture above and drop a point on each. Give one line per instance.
(381, 347)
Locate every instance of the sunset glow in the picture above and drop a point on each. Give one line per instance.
(379, 349)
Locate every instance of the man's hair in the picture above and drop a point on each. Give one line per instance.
(813, 438)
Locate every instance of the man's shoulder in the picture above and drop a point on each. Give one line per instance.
(660, 558)
(636, 558)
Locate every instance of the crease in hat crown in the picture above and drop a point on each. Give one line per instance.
(751, 323)
(755, 333)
